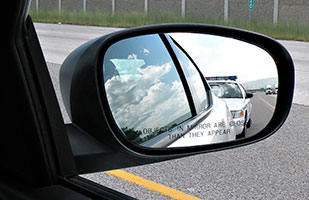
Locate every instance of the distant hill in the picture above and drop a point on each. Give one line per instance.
(260, 83)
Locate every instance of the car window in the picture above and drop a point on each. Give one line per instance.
(217, 90)
(143, 88)
(226, 90)
(195, 82)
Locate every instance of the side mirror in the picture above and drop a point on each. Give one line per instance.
(249, 95)
(140, 95)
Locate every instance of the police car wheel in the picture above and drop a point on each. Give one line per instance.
(248, 125)
(243, 133)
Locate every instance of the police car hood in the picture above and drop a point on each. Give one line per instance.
(234, 103)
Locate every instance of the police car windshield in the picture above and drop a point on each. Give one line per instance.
(225, 89)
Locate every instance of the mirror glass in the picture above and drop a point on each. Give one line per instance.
(172, 90)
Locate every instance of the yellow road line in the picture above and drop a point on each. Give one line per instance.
(267, 103)
(167, 191)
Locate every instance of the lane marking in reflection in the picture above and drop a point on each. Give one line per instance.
(267, 103)
(150, 185)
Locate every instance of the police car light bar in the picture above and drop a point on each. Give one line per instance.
(221, 78)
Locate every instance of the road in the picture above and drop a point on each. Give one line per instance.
(275, 168)
(262, 110)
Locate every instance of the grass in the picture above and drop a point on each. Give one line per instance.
(282, 30)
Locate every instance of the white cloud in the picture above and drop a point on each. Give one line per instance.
(147, 102)
(132, 56)
(146, 51)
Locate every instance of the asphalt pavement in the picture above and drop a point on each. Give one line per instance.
(263, 107)
(275, 168)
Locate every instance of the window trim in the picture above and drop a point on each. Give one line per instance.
(243, 89)
(206, 86)
(180, 73)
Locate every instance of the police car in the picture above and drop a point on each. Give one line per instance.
(237, 100)
(268, 90)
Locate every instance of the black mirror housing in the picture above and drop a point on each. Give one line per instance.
(94, 136)
(249, 95)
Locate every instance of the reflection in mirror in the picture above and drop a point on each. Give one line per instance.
(187, 89)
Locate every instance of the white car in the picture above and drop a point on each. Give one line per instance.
(268, 90)
(237, 100)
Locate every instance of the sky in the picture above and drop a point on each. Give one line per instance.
(222, 56)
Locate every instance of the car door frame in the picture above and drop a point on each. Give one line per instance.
(36, 159)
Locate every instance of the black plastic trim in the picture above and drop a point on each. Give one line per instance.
(53, 129)
(92, 189)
